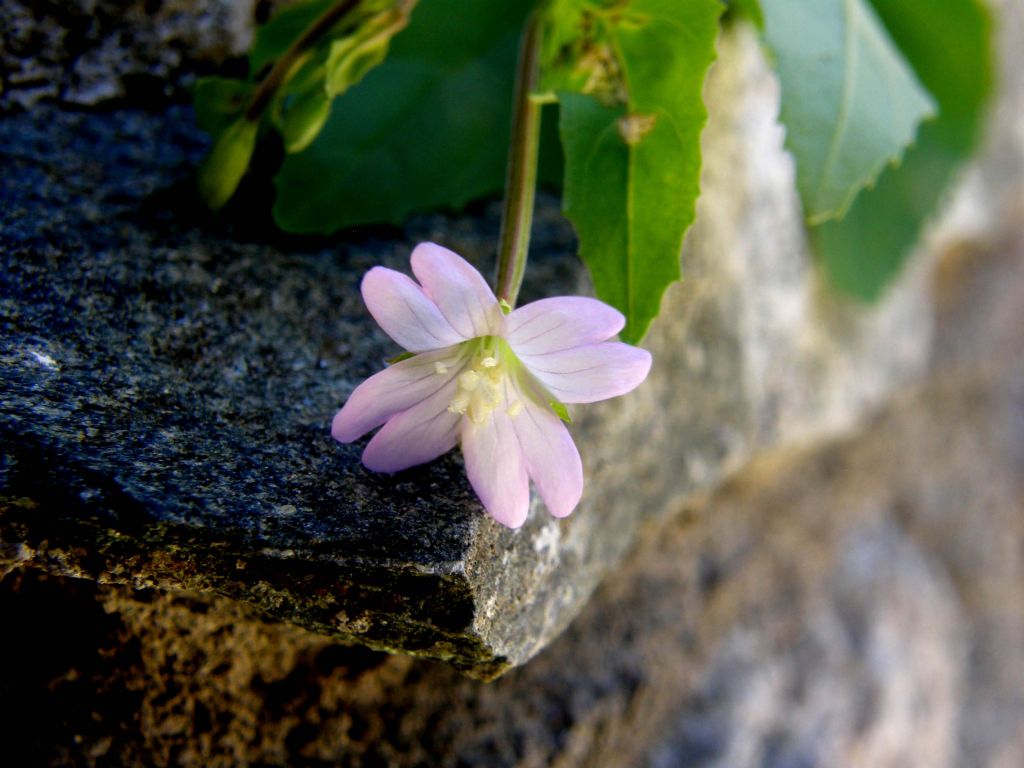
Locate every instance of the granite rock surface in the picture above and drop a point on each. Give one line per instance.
(852, 603)
(85, 53)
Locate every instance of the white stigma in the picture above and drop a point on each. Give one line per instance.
(469, 380)
(478, 390)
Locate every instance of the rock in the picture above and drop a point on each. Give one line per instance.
(90, 52)
(855, 602)
(170, 383)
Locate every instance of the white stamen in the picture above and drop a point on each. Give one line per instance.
(488, 392)
(479, 389)
(479, 411)
(468, 380)
(460, 402)
(440, 367)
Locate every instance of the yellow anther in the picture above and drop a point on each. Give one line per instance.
(479, 388)
(468, 380)
(440, 367)
(460, 402)
(515, 409)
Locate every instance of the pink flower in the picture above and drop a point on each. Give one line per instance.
(487, 380)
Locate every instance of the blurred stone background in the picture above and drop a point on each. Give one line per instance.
(837, 578)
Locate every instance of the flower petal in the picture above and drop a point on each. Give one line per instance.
(590, 372)
(496, 468)
(415, 436)
(552, 460)
(395, 389)
(551, 325)
(405, 312)
(460, 292)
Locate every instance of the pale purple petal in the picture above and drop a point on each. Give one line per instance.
(496, 468)
(460, 292)
(415, 436)
(393, 390)
(551, 457)
(551, 325)
(405, 312)
(591, 372)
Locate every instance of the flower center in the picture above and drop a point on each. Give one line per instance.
(479, 386)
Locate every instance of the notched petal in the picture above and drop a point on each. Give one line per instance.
(552, 460)
(496, 469)
(393, 390)
(405, 312)
(459, 290)
(557, 324)
(415, 436)
(591, 372)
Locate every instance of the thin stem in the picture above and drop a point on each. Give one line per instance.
(282, 67)
(521, 180)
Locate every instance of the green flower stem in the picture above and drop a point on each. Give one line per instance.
(282, 68)
(521, 181)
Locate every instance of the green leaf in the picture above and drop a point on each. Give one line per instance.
(850, 102)
(427, 128)
(219, 101)
(633, 173)
(351, 57)
(551, 164)
(576, 50)
(275, 37)
(563, 28)
(750, 9)
(303, 119)
(948, 42)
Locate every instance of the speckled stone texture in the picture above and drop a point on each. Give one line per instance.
(83, 53)
(169, 390)
(855, 604)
